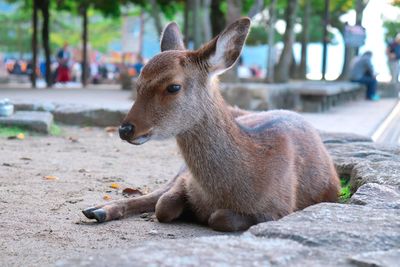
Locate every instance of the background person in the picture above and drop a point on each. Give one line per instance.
(63, 57)
(393, 52)
(363, 72)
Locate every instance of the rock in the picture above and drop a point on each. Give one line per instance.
(377, 258)
(210, 251)
(377, 195)
(85, 116)
(38, 121)
(343, 138)
(341, 227)
(382, 172)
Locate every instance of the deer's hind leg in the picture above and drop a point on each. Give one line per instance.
(122, 208)
(226, 220)
(172, 204)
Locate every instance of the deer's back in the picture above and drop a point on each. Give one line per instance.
(312, 170)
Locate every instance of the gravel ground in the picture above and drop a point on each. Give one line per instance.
(41, 220)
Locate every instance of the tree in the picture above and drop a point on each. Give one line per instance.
(350, 52)
(285, 60)
(305, 37)
(34, 42)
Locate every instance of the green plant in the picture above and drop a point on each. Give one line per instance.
(55, 130)
(8, 131)
(345, 192)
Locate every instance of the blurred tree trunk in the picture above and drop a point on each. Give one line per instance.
(206, 21)
(233, 13)
(350, 52)
(196, 24)
(282, 70)
(44, 6)
(141, 34)
(305, 37)
(256, 8)
(271, 42)
(156, 14)
(217, 17)
(186, 23)
(84, 10)
(34, 42)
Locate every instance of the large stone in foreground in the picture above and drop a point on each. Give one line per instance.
(39, 121)
(245, 250)
(327, 234)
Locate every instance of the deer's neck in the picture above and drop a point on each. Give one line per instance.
(216, 150)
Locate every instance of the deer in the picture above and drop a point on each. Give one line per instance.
(241, 168)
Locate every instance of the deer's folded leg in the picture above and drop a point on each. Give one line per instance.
(225, 220)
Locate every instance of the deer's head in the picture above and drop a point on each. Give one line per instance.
(174, 87)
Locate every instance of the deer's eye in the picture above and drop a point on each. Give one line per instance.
(173, 88)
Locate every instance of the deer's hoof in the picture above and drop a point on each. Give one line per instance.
(100, 215)
(89, 212)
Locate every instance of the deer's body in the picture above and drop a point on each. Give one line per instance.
(242, 168)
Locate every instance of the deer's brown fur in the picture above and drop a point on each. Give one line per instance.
(242, 168)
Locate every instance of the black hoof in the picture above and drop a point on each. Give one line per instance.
(100, 215)
(89, 212)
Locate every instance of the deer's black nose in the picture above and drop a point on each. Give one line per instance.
(126, 131)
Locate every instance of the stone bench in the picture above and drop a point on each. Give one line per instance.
(306, 96)
(321, 96)
(38, 121)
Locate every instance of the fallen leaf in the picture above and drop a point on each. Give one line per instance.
(111, 129)
(20, 136)
(50, 177)
(130, 192)
(107, 197)
(73, 139)
(115, 186)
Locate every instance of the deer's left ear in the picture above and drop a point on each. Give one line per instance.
(222, 52)
(171, 38)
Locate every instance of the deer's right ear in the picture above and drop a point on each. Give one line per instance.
(171, 38)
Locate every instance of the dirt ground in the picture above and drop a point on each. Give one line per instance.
(41, 220)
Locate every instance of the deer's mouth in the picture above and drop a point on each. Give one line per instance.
(140, 139)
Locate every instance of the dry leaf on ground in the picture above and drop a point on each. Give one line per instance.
(115, 186)
(111, 129)
(107, 197)
(73, 139)
(19, 136)
(50, 177)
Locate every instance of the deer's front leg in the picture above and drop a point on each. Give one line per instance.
(225, 220)
(125, 207)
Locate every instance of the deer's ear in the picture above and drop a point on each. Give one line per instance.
(171, 38)
(222, 52)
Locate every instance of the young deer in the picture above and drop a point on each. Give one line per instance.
(242, 168)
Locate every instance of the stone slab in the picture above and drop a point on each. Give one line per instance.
(87, 116)
(39, 121)
(388, 258)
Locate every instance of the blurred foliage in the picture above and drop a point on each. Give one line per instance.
(15, 31)
(392, 29)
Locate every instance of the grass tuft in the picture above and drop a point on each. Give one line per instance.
(8, 131)
(345, 192)
(55, 130)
